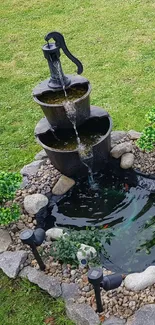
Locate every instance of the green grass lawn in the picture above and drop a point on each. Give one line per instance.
(22, 303)
(114, 39)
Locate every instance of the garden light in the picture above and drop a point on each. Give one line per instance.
(33, 239)
(108, 282)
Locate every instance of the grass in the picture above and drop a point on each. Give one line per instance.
(113, 39)
(24, 303)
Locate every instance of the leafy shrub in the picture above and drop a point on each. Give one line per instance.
(147, 139)
(66, 247)
(9, 183)
(9, 214)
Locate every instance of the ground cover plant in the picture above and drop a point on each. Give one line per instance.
(9, 183)
(147, 139)
(67, 246)
(114, 41)
(24, 303)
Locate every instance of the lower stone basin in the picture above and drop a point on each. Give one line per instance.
(95, 132)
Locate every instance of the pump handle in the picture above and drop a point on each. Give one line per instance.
(60, 42)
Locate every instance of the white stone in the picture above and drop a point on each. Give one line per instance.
(120, 149)
(127, 160)
(134, 135)
(140, 281)
(33, 203)
(63, 185)
(54, 233)
(86, 252)
(5, 240)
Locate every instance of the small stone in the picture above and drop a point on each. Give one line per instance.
(116, 136)
(63, 185)
(134, 135)
(10, 262)
(31, 169)
(33, 203)
(120, 149)
(127, 160)
(41, 155)
(5, 240)
(54, 233)
(140, 281)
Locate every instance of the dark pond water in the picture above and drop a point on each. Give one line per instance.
(120, 205)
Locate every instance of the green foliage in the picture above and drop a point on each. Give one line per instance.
(147, 139)
(9, 183)
(66, 247)
(9, 214)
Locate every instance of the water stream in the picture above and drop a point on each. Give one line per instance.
(85, 153)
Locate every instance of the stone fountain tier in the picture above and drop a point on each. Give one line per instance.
(68, 162)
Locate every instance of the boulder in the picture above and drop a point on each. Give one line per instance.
(10, 262)
(70, 291)
(117, 136)
(41, 155)
(33, 203)
(134, 135)
(127, 160)
(140, 281)
(86, 253)
(120, 149)
(63, 185)
(144, 316)
(114, 321)
(5, 240)
(45, 282)
(82, 314)
(31, 169)
(54, 233)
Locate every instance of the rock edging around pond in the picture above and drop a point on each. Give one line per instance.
(12, 264)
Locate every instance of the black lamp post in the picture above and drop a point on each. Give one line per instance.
(108, 282)
(33, 239)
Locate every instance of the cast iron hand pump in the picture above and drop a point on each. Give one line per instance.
(52, 53)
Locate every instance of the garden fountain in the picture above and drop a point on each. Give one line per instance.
(70, 119)
(76, 138)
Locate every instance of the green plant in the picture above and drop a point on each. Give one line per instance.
(9, 183)
(66, 247)
(147, 139)
(9, 214)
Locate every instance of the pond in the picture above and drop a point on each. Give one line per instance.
(118, 203)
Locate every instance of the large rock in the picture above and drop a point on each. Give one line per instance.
(10, 262)
(82, 314)
(127, 160)
(117, 136)
(41, 155)
(70, 291)
(86, 253)
(144, 316)
(120, 149)
(63, 185)
(5, 240)
(31, 169)
(114, 321)
(33, 203)
(134, 135)
(54, 233)
(140, 281)
(45, 282)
